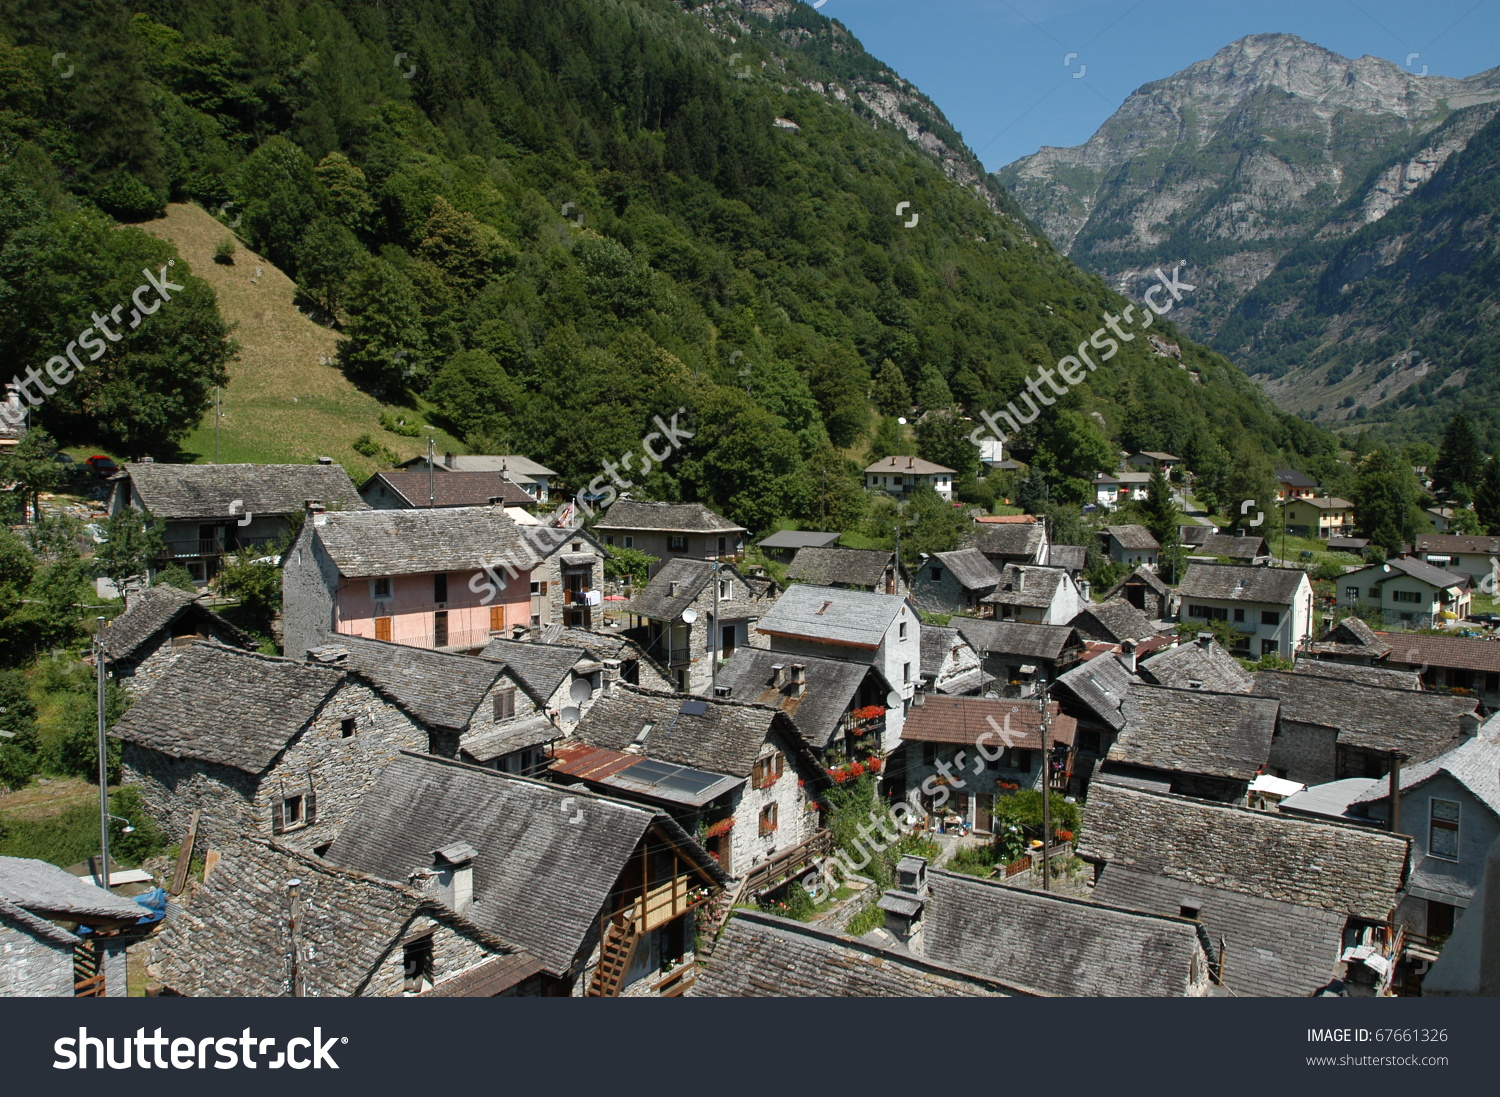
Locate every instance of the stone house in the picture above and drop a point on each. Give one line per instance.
(1330, 729)
(1406, 592)
(1270, 609)
(1321, 516)
(40, 958)
(567, 583)
(425, 578)
(694, 614)
(1016, 653)
(260, 745)
(1111, 622)
(1038, 595)
(1130, 544)
(566, 679)
(1147, 593)
(1093, 693)
(1475, 557)
(1012, 542)
(1206, 546)
(900, 475)
(962, 754)
(1455, 663)
(954, 582)
(211, 511)
(1278, 898)
(361, 937)
(606, 895)
(533, 478)
(636, 667)
(857, 627)
(737, 773)
(853, 569)
(671, 530)
(950, 665)
(158, 623)
(1202, 664)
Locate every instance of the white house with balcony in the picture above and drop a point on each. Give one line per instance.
(1270, 609)
(1407, 592)
(900, 475)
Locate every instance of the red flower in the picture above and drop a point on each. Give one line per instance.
(873, 765)
(838, 775)
(856, 770)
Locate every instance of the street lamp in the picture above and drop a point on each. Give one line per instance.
(99, 656)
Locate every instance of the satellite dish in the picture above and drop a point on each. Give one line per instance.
(689, 615)
(570, 715)
(902, 420)
(893, 699)
(580, 691)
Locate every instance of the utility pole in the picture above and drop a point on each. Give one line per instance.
(431, 486)
(99, 654)
(294, 904)
(217, 416)
(1046, 753)
(713, 637)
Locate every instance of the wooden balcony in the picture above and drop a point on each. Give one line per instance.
(664, 903)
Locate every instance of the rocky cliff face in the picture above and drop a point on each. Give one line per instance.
(1236, 160)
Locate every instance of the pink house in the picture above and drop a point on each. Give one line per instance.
(442, 578)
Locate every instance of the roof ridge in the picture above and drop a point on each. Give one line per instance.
(550, 786)
(1072, 900)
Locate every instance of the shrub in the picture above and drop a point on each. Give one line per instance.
(399, 426)
(175, 575)
(224, 251)
(870, 917)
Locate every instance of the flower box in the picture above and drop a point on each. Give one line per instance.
(722, 827)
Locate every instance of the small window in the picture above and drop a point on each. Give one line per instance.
(1374, 592)
(1351, 594)
(1268, 647)
(1442, 837)
(901, 631)
(906, 672)
(629, 542)
(291, 811)
(347, 727)
(1405, 596)
(440, 587)
(380, 588)
(505, 703)
(536, 588)
(417, 964)
(1239, 615)
(726, 590)
(609, 538)
(1270, 617)
(937, 575)
(929, 754)
(676, 544)
(768, 770)
(577, 546)
(768, 819)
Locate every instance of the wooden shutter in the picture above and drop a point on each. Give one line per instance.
(544, 588)
(310, 806)
(382, 628)
(278, 816)
(497, 618)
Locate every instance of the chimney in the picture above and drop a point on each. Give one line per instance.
(911, 462)
(671, 588)
(799, 679)
(325, 460)
(611, 676)
(778, 675)
(1205, 639)
(454, 869)
(497, 503)
(1020, 579)
(905, 903)
(329, 655)
(1127, 654)
(315, 512)
(131, 590)
(722, 692)
(519, 632)
(1084, 588)
(148, 460)
(451, 460)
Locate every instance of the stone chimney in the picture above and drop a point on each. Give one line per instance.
(497, 504)
(1020, 579)
(1205, 640)
(1084, 588)
(131, 590)
(779, 675)
(905, 903)
(799, 679)
(520, 632)
(610, 676)
(1127, 655)
(451, 460)
(454, 868)
(325, 460)
(315, 512)
(331, 655)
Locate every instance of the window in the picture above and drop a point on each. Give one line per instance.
(505, 703)
(440, 629)
(577, 546)
(347, 727)
(417, 965)
(937, 575)
(536, 588)
(929, 754)
(440, 587)
(380, 588)
(901, 630)
(896, 480)
(1267, 647)
(1351, 594)
(768, 770)
(629, 542)
(768, 820)
(609, 538)
(906, 672)
(1442, 834)
(726, 590)
(1239, 615)
(1270, 617)
(676, 544)
(291, 812)
(1208, 613)
(1405, 596)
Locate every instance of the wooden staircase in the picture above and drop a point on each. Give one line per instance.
(615, 953)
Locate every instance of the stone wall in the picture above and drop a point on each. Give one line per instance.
(795, 824)
(174, 787)
(308, 580)
(31, 967)
(453, 953)
(942, 595)
(1306, 752)
(153, 658)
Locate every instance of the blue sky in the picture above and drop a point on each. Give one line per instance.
(997, 67)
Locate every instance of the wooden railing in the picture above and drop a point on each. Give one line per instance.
(678, 982)
(663, 903)
(1015, 868)
(786, 863)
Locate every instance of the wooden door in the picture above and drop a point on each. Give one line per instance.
(983, 819)
(382, 628)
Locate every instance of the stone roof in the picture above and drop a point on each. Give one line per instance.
(998, 723)
(438, 689)
(1235, 548)
(522, 468)
(154, 609)
(726, 737)
(835, 566)
(1055, 945)
(761, 956)
(1016, 637)
(1241, 583)
(375, 543)
(855, 618)
(912, 466)
(1132, 537)
(454, 489)
(1271, 949)
(1141, 574)
(1351, 636)
(1385, 677)
(181, 492)
(1193, 731)
(47, 891)
(672, 589)
(1198, 665)
(1100, 685)
(1068, 557)
(1336, 867)
(22, 919)
(937, 642)
(972, 568)
(1420, 725)
(831, 688)
(600, 645)
(1026, 585)
(1113, 621)
(541, 668)
(228, 707)
(799, 539)
(1295, 479)
(232, 938)
(1453, 544)
(547, 857)
(1461, 652)
(642, 514)
(1474, 764)
(1021, 541)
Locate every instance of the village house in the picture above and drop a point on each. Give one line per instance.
(1113, 488)
(964, 753)
(737, 773)
(1456, 663)
(669, 530)
(950, 665)
(1150, 461)
(1191, 742)
(405, 489)
(1270, 609)
(1144, 590)
(1016, 654)
(1292, 484)
(853, 569)
(533, 478)
(360, 937)
(158, 623)
(567, 582)
(695, 614)
(1350, 641)
(1111, 622)
(40, 958)
(1132, 545)
(606, 895)
(1330, 729)
(1472, 556)
(900, 475)
(442, 579)
(1322, 516)
(1385, 677)
(1201, 664)
(1202, 542)
(1011, 543)
(1093, 694)
(1406, 591)
(1071, 558)
(1279, 899)
(259, 745)
(953, 582)
(1042, 596)
(1046, 943)
(762, 956)
(213, 511)
(784, 545)
(1442, 518)
(486, 713)
(857, 627)
(636, 667)
(564, 679)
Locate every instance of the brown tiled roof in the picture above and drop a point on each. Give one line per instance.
(1451, 544)
(965, 719)
(1459, 652)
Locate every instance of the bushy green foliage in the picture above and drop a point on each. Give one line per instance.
(630, 563)
(1024, 809)
(257, 589)
(73, 835)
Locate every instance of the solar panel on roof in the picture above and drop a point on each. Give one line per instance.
(668, 776)
(694, 708)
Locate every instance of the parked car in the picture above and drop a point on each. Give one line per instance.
(64, 459)
(104, 466)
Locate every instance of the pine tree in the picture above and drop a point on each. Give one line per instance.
(1159, 511)
(1487, 497)
(891, 393)
(932, 391)
(1460, 462)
